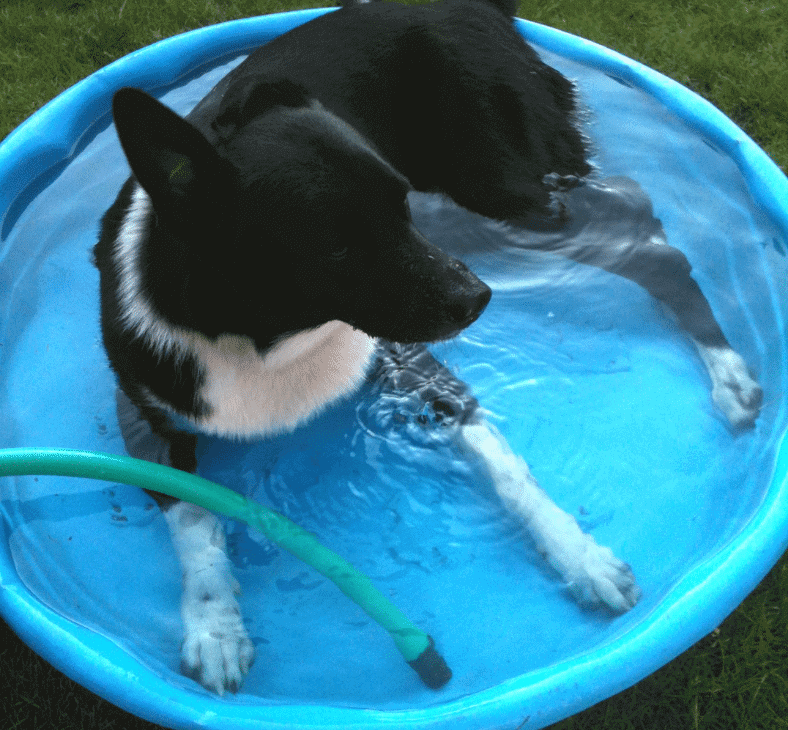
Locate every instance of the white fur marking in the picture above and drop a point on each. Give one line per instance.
(733, 391)
(592, 573)
(258, 396)
(138, 314)
(216, 649)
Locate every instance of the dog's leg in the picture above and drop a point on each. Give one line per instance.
(592, 573)
(610, 225)
(216, 649)
(665, 272)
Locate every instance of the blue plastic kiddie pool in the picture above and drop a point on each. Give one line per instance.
(590, 382)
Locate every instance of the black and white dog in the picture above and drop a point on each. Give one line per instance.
(261, 261)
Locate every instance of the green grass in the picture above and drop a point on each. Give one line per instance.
(733, 52)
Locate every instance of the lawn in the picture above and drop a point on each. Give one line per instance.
(733, 52)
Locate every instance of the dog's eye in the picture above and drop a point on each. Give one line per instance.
(339, 254)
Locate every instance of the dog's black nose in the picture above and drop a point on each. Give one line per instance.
(471, 295)
(467, 308)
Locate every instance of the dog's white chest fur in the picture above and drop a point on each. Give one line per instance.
(253, 395)
(250, 395)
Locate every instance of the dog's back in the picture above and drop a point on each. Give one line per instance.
(447, 92)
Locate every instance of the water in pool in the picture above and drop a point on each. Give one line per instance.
(582, 371)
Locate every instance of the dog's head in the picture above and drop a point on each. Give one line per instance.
(281, 217)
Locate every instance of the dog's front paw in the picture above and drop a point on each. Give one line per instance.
(597, 577)
(217, 651)
(733, 389)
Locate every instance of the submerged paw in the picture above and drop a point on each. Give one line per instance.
(734, 391)
(217, 651)
(603, 579)
(217, 659)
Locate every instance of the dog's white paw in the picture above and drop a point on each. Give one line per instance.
(733, 390)
(216, 651)
(592, 573)
(595, 576)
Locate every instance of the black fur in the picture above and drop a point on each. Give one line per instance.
(448, 93)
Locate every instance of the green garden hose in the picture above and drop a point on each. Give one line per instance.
(417, 648)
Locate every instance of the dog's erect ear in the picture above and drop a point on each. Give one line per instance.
(168, 156)
(249, 97)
